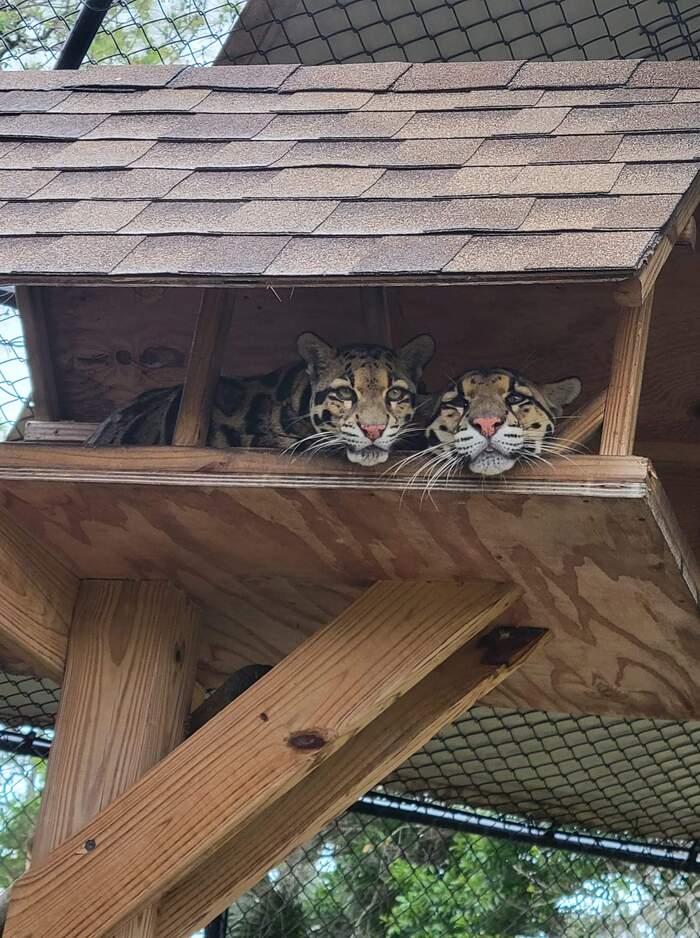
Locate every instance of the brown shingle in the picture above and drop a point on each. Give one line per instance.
(608, 212)
(566, 177)
(640, 117)
(67, 217)
(32, 154)
(123, 76)
(667, 75)
(581, 250)
(573, 74)
(417, 254)
(119, 102)
(389, 153)
(270, 216)
(34, 79)
(114, 184)
(430, 183)
(7, 145)
(180, 126)
(513, 151)
(409, 217)
(350, 77)
(240, 153)
(53, 126)
(686, 94)
(18, 102)
(644, 148)
(275, 184)
(587, 97)
(71, 254)
(87, 154)
(334, 126)
(234, 102)
(457, 75)
(20, 184)
(260, 77)
(652, 178)
(484, 123)
(451, 100)
(201, 254)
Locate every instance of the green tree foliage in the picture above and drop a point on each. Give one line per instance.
(21, 782)
(139, 32)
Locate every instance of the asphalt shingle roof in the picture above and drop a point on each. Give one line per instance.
(487, 170)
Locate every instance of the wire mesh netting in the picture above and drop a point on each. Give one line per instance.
(321, 31)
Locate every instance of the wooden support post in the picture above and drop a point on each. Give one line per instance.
(582, 426)
(204, 367)
(37, 595)
(248, 757)
(689, 235)
(360, 764)
(622, 400)
(128, 685)
(31, 311)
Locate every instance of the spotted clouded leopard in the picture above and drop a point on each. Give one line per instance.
(357, 399)
(489, 419)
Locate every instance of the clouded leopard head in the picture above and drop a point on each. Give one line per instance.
(363, 397)
(490, 418)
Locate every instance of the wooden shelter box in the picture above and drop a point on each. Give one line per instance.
(165, 225)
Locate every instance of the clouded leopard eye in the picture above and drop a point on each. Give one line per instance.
(459, 404)
(344, 393)
(515, 398)
(393, 395)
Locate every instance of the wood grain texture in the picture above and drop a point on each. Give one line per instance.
(203, 368)
(271, 554)
(581, 427)
(624, 391)
(688, 236)
(36, 604)
(30, 303)
(251, 754)
(58, 431)
(360, 764)
(126, 693)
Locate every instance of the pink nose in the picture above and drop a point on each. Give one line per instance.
(487, 425)
(373, 430)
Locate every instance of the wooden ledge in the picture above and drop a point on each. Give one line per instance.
(169, 465)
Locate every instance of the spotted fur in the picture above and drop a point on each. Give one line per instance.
(489, 419)
(357, 399)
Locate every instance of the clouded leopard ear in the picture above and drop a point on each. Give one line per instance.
(316, 353)
(416, 354)
(561, 393)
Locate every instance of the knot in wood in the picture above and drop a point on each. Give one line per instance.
(306, 740)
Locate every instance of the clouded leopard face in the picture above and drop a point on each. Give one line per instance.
(363, 397)
(489, 419)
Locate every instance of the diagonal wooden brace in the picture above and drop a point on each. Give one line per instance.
(245, 760)
(446, 693)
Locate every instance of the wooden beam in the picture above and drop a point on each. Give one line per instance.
(622, 400)
(58, 431)
(128, 685)
(583, 425)
(246, 758)
(688, 236)
(203, 368)
(31, 310)
(634, 291)
(37, 596)
(360, 764)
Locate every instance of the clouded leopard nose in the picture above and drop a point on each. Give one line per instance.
(487, 425)
(373, 430)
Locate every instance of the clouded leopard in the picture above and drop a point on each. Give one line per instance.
(356, 399)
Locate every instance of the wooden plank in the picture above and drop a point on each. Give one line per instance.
(162, 465)
(688, 236)
(360, 764)
(127, 689)
(622, 400)
(251, 754)
(31, 309)
(203, 368)
(58, 431)
(581, 427)
(36, 603)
